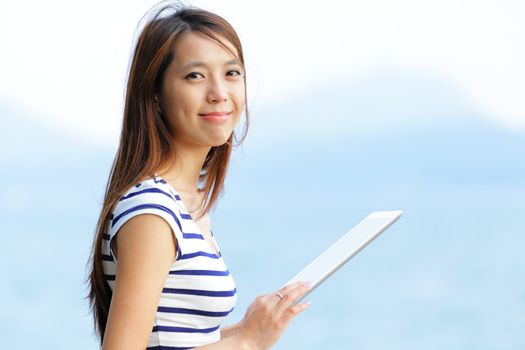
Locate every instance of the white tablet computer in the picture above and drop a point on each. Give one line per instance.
(345, 248)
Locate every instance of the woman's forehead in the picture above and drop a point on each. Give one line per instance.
(197, 47)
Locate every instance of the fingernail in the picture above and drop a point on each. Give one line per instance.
(307, 283)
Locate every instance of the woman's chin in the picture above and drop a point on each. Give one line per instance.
(219, 143)
(218, 140)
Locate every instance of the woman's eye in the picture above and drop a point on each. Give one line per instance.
(192, 75)
(236, 71)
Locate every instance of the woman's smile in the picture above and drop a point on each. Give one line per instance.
(216, 116)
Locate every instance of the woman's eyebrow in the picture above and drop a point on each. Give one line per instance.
(202, 64)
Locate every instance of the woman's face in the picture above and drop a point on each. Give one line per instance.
(202, 78)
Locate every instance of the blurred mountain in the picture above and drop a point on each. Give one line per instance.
(413, 129)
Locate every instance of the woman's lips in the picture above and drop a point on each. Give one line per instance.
(215, 117)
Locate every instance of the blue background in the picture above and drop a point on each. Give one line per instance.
(448, 275)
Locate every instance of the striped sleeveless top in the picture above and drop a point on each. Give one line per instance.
(199, 292)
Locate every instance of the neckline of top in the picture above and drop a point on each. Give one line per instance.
(215, 248)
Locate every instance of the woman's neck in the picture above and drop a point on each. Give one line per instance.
(183, 173)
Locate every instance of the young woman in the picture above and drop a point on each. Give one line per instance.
(158, 279)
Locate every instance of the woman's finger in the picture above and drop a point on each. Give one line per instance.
(275, 297)
(293, 311)
(290, 287)
(289, 298)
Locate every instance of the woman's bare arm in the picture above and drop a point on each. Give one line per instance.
(146, 249)
(230, 330)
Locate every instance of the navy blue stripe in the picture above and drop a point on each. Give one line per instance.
(192, 235)
(164, 347)
(105, 236)
(179, 252)
(179, 310)
(185, 216)
(147, 206)
(107, 257)
(177, 197)
(146, 190)
(109, 277)
(184, 329)
(160, 180)
(200, 272)
(138, 185)
(206, 293)
(193, 255)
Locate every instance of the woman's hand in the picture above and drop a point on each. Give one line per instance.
(269, 315)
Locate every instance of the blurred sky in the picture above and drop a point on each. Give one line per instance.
(355, 107)
(68, 59)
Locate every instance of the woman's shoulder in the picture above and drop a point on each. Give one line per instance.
(151, 185)
(149, 196)
(152, 190)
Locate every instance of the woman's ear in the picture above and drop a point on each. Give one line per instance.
(157, 104)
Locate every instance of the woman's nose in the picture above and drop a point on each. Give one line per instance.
(217, 92)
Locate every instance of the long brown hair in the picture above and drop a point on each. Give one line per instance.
(145, 145)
